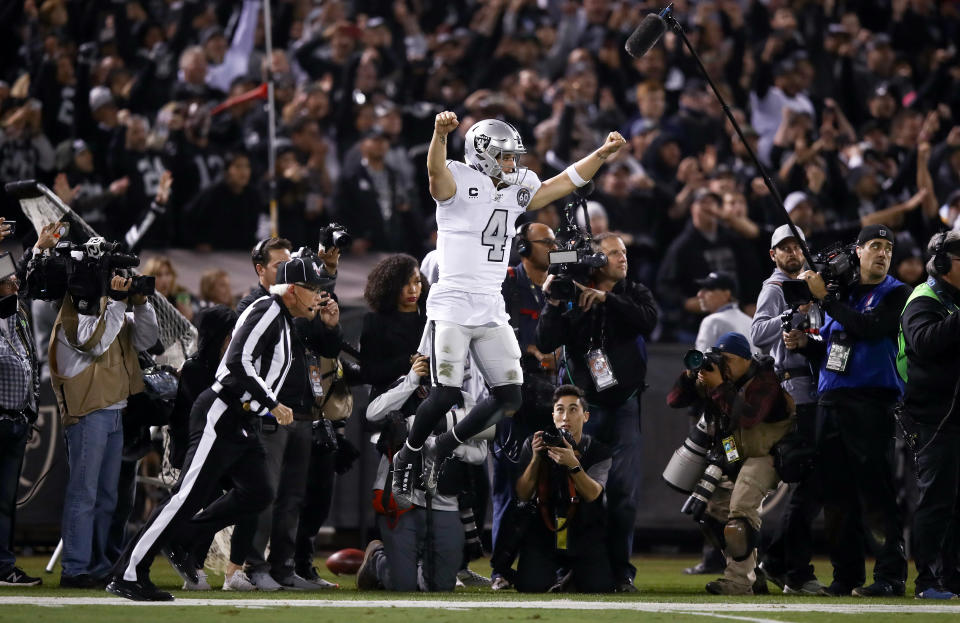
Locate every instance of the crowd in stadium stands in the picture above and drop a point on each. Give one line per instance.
(853, 106)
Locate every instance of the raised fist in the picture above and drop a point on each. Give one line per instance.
(612, 145)
(445, 123)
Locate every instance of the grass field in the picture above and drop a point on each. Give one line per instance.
(665, 595)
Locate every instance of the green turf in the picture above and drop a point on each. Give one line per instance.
(658, 578)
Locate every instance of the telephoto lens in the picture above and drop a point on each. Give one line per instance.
(471, 536)
(689, 460)
(696, 504)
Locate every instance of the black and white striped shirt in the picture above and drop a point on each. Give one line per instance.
(259, 356)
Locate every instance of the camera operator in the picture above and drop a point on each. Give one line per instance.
(94, 369)
(786, 561)
(748, 413)
(19, 388)
(858, 388)
(604, 339)
(431, 533)
(564, 474)
(524, 300)
(929, 343)
(288, 448)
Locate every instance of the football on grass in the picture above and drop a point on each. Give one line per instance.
(345, 562)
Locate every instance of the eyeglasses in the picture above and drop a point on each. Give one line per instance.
(309, 286)
(550, 242)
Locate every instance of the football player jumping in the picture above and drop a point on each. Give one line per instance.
(477, 207)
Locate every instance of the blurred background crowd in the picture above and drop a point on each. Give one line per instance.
(852, 105)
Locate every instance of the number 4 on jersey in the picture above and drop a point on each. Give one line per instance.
(495, 235)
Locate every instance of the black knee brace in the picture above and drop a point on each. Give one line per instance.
(741, 538)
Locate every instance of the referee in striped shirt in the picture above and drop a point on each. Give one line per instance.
(225, 435)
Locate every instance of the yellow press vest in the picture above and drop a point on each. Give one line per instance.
(112, 377)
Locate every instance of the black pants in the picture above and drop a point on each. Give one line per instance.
(936, 523)
(791, 549)
(228, 443)
(540, 564)
(855, 444)
(316, 504)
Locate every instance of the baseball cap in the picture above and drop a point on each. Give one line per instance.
(782, 233)
(872, 232)
(735, 344)
(210, 33)
(879, 40)
(100, 97)
(302, 271)
(718, 281)
(794, 199)
(78, 146)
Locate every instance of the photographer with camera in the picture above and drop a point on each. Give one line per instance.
(747, 413)
(432, 533)
(560, 490)
(288, 448)
(858, 389)
(19, 389)
(928, 363)
(603, 333)
(786, 561)
(94, 369)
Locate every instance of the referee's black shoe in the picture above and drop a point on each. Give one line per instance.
(137, 591)
(182, 563)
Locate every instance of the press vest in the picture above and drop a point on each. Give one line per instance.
(112, 377)
(924, 289)
(873, 363)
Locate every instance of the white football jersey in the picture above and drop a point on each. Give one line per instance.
(476, 228)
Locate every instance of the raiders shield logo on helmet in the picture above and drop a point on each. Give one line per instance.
(481, 142)
(523, 197)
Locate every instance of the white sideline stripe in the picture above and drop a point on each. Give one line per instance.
(716, 608)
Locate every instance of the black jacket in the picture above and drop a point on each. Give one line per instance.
(932, 339)
(386, 343)
(313, 334)
(625, 319)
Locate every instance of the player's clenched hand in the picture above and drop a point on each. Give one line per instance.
(611, 146)
(445, 123)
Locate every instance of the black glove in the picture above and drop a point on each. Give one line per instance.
(345, 455)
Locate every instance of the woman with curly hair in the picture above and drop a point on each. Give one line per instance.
(396, 292)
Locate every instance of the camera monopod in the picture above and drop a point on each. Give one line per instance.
(646, 35)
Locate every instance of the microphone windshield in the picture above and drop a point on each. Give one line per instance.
(646, 35)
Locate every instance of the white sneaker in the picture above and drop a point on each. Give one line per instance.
(264, 581)
(469, 577)
(200, 585)
(238, 582)
(810, 587)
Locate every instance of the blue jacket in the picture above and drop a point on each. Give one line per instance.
(873, 362)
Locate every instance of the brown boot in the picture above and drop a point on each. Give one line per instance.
(723, 586)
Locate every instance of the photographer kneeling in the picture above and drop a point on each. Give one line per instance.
(564, 472)
(747, 413)
(603, 329)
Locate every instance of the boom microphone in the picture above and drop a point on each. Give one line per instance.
(647, 34)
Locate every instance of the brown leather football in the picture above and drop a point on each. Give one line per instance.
(346, 561)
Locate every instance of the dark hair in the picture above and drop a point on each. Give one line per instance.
(263, 248)
(570, 390)
(387, 279)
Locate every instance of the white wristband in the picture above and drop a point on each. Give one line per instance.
(575, 177)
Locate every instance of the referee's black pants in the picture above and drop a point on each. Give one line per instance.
(854, 463)
(224, 440)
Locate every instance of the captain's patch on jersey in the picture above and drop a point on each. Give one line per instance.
(523, 197)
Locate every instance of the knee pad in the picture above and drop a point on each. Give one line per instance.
(741, 538)
(510, 398)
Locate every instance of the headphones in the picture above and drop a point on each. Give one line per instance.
(941, 261)
(524, 248)
(257, 255)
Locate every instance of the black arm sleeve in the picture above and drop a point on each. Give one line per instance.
(635, 308)
(551, 333)
(926, 332)
(880, 322)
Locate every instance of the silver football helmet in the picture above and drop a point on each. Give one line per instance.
(487, 141)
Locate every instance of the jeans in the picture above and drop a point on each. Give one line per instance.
(13, 441)
(936, 523)
(94, 451)
(619, 429)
